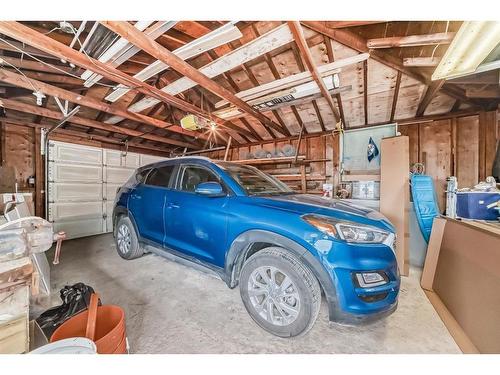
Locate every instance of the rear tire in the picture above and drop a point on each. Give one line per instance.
(279, 292)
(126, 240)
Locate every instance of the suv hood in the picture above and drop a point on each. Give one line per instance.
(312, 204)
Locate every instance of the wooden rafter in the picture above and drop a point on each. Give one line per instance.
(431, 91)
(358, 43)
(299, 120)
(331, 58)
(411, 40)
(88, 101)
(298, 34)
(38, 111)
(396, 95)
(318, 115)
(156, 50)
(46, 44)
(89, 137)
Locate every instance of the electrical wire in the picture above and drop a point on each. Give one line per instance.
(2, 61)
(56, 68)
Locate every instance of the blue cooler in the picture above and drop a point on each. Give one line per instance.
(472, 205)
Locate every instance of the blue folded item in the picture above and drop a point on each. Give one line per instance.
(425, 202)
(473, 205)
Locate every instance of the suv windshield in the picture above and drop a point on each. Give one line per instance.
(255, 182)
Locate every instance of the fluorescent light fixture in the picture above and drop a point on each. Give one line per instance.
(472, 44)
(213, 39)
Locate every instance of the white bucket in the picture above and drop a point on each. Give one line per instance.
(74, 345)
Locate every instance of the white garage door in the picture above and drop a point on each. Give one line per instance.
(82, 186)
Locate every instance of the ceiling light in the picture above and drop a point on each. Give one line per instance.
(472, 44)
(66, 27)
(39, 97)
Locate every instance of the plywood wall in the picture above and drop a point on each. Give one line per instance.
(18, 150)
(463, 146)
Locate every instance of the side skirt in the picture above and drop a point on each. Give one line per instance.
(185, 260)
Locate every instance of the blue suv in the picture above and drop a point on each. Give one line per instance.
(282, 248)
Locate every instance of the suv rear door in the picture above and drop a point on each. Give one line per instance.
(196, 224)
(147, 203)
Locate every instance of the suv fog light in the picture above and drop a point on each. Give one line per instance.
(370, 279)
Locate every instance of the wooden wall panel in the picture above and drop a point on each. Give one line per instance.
(412, 131)
(435, 154)
(19, 143)
(467, 151)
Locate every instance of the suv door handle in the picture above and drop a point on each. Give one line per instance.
(172, 205)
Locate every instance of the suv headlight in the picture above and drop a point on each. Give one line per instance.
(347, 231)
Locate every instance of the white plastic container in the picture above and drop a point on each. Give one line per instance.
(74, 345)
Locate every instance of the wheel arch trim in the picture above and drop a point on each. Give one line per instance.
(242, 244)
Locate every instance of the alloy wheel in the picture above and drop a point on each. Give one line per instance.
(274, 296)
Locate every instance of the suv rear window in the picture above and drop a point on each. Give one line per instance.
(160, 176)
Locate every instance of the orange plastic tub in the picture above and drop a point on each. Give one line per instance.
(105, 325)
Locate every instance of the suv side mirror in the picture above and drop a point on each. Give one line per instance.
(210, 189)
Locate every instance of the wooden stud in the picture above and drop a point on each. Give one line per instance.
(395, 98)
(365, 93)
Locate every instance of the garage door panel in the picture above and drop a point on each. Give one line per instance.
(109, 216)
(75, 211)
(131, 160)
(83, 182)
(75, 192)
(66, 172)
(112, 158)
(148, 159)
(81, 227)
(117, 175)
(67, 152)
(110, 191)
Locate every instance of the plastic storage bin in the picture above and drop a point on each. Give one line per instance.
(472, 205)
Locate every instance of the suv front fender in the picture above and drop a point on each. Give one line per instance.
(242, 244)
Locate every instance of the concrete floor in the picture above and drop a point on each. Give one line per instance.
(171, 308)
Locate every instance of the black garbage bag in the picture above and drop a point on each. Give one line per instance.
(75, 299)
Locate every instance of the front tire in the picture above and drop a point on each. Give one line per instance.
(126, 240)
(279, 292)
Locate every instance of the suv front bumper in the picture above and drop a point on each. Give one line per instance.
(355, 303)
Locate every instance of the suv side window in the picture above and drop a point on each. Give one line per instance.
(193, 175)
(141, 176)
(160, 176)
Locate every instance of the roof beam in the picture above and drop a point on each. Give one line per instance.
(358, 43)
(342, 24)
(39, 111)
(300, 39)
(487, 93)
(88, 101)
(46, 44)
(421, 61)
(411, 40)
(156, 50)
(273, 39)
(331, 58)
(85, 136)
(432, 90)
